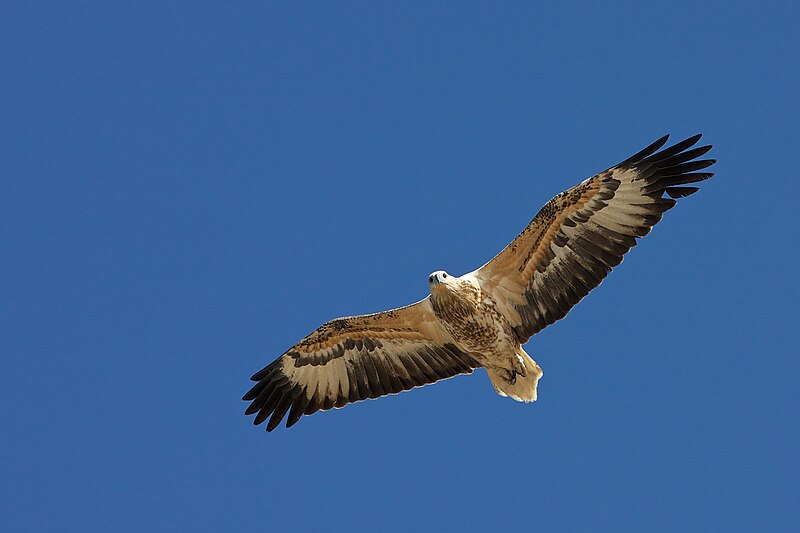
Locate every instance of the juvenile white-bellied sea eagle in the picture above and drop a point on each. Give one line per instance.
(483, 318)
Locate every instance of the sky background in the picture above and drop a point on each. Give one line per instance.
(187, 189)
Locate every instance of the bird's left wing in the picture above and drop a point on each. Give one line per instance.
(354, 358)
(581, 234)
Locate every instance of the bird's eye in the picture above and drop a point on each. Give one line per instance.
(444, 276)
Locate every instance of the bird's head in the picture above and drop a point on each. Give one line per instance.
(439, 278)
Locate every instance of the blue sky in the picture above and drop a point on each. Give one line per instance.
(189, 188)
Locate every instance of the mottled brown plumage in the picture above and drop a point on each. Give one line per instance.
(483, 318)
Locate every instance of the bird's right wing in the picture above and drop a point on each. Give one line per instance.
(354, 358)
(581, 234)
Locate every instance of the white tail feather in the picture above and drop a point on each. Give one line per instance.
(523, 389)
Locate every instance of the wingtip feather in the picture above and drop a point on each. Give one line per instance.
(646, 152)
(681, 192)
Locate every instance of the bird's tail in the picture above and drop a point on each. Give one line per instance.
(515, 385)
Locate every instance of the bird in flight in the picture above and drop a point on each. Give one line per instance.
(483, 318)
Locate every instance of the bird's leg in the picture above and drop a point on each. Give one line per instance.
(512, 376)
(519, 362)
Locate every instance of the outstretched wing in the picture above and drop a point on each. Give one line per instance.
(351, 359)
(581, 234)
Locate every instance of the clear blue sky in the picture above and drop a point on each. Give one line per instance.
(189, 188)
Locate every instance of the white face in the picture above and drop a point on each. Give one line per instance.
(440, 276)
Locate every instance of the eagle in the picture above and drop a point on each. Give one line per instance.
(482, 319)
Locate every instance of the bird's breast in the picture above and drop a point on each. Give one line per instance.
(474, 322)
